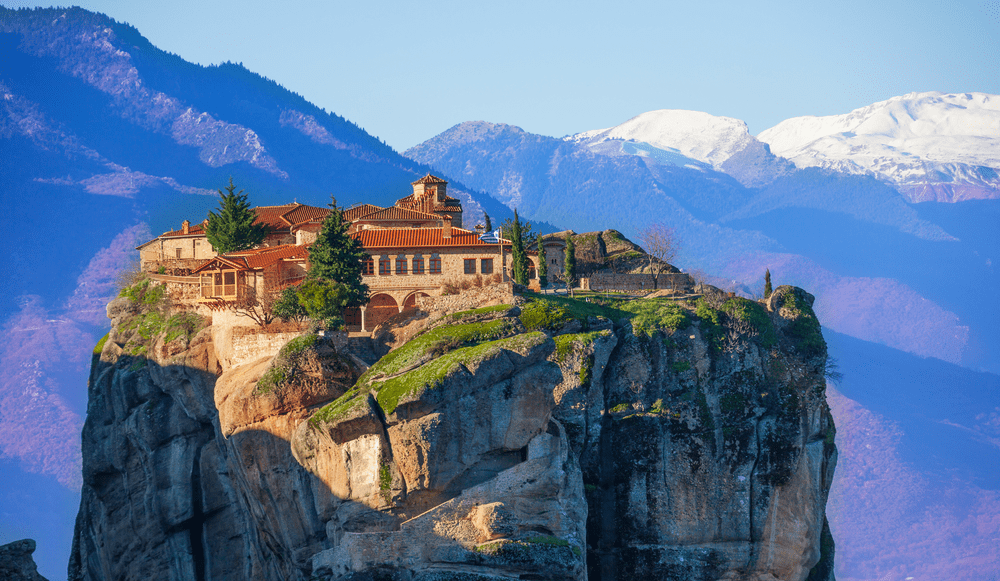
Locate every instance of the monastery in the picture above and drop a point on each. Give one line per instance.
(414, 248)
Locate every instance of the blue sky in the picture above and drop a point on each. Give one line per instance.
(407, 71)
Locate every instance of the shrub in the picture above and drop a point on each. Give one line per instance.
(538, 314)
(287, 307)
(324, 301)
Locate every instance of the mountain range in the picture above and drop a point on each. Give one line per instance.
(889, 215)
(105, 139)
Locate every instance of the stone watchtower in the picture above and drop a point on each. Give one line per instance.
(430, 194)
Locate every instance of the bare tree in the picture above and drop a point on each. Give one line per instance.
(259, 307)
(660, 243)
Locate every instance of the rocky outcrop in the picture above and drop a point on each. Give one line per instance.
(16, 563)
(541, 439)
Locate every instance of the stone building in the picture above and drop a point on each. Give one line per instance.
(415, 248)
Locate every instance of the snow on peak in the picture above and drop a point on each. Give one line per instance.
(905, 140)
(700, 136)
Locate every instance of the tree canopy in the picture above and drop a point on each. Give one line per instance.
(233, 228)
(337, 257)
(569, 264)
(519, 258)
(543, 266)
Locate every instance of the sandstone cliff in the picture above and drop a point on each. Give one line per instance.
(537, 438)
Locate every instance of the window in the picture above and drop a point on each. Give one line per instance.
(178, 251)
(401, 264)
(531, 272)
(486, 266)
(553, 261)
(418, 264)
(384, 266)
(435, 265)
(368, 265)
(470, 266)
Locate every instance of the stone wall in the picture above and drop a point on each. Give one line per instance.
(251, 347)
(637, 282)
(452, 268)
(495, 294)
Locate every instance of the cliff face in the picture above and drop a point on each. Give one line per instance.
(532, 439)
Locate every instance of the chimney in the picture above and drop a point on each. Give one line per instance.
(479, 229)
(446, 227)
(186, 226)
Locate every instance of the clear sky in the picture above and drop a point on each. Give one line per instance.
(407, 71)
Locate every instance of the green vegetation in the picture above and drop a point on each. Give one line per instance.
(547, 540)
(768, 289)
(100, 344)
(658, 408)
(234, 227)
(622, 407)
(339, 407)
(288, 307)
(804, 330)
(286, 363)
(335, 256)
(420, 346)
(433, 373)
(651, 315)
(183, 325)
(586, 370)
(519, 258)
(142, 294)
(543, 265)
(733, 402)
(542, 314)
(323, 301)
(565, 344)
(569, 263)
(680, 366)
(711, 327)
(754, 314)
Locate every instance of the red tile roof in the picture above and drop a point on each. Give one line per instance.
(194, 230)
(418, 238)
(257, 258)
(429, 179)
(282, 217)
(396, 213)
(352, 214)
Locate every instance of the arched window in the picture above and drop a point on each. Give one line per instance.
(401, 264)
(418, 264)
(384, 265)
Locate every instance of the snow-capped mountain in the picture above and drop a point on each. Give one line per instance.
(695, 135)
(931, 146)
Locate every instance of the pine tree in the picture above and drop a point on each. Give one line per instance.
(233, 228)
(767, 283)
(336, 256)
(569, 264)
(543, 267)
(518, 256)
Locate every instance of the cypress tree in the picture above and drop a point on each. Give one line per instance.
(767, 283)
(518, 256)
(336, 256)
(233, 228)
(543, 267)
(489, 224)
(569, 265)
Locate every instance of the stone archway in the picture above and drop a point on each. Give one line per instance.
(380, 307)
(410, 302)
